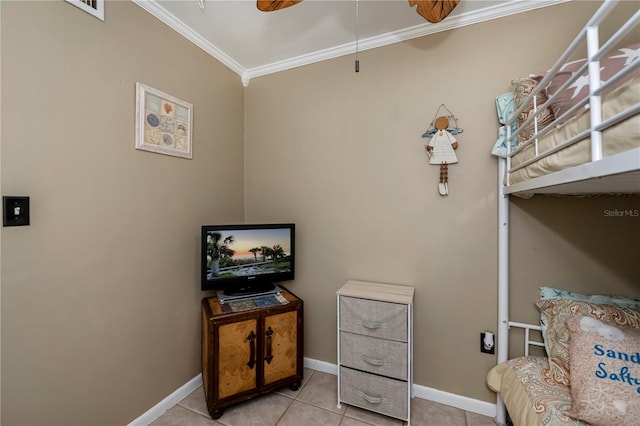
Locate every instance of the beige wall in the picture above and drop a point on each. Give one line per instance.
(341, 154)
(0, 232)
(100, 295)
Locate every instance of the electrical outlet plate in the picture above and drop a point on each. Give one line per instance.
(15, 211)
(483, 349)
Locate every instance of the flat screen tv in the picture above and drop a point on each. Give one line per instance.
(247, 259)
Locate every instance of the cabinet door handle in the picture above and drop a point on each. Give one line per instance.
(252, 350)
(269, 355)
(370, 399)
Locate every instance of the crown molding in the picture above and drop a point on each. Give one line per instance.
(495, 12)
(457, 21)
(183, 29)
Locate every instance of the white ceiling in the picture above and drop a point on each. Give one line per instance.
(254, 43)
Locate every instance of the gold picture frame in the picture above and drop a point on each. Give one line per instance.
(164, 123)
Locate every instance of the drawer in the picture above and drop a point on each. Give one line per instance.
(374, 318)
(375, 393)
(379, 356)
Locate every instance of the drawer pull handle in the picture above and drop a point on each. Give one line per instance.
(370, 399)
(372, 325)
(252, 350)
(374, 361)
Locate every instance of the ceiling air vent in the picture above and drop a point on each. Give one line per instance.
(93, 7)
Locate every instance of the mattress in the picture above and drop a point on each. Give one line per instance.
(530, 394)
(619, 138)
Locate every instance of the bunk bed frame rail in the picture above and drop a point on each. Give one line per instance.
(528, 340)
(623, 167)
(595, 51)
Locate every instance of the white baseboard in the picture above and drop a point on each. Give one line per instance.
(325, 367)
(161, 407)
(441, 397)
(458, 401)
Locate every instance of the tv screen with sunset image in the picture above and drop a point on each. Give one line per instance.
(234, 255)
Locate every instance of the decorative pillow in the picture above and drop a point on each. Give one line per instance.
(556, 293)
(605, 372)
(611, 63)
(522, 88)
(559, 310)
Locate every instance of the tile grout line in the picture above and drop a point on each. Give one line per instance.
(313, 372)
(206, 416)
(295, 397)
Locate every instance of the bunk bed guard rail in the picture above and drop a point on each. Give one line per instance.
(595, 51)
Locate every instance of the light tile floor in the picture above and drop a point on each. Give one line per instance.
(314, 404)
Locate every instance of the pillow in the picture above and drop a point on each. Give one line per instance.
(522, 88)
(504, 107)
(605, 372)
(500, 146)
(559, 310)
(556, 293)
(611, 63)
(505, 110)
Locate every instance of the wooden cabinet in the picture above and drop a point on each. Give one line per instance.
(375, 370)
(250, 352)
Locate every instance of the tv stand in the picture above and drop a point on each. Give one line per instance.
(250, 353)
(247, 291)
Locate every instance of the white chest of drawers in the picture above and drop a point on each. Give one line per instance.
(375, 346)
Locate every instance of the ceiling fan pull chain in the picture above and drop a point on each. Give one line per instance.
(357, 19)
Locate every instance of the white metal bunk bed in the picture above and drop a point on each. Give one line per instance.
(603, 172)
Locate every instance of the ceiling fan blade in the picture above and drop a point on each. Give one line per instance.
(271, 5)
(434, 10)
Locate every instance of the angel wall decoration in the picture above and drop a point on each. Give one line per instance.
(441, 147)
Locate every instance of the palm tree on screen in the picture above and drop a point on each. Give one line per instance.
(276, 252)
(218, 248)
(255, 252)
(265, 252)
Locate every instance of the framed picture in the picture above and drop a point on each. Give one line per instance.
(164, 123)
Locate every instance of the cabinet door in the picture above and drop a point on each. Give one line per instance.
(280, 346)
(237, 357)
